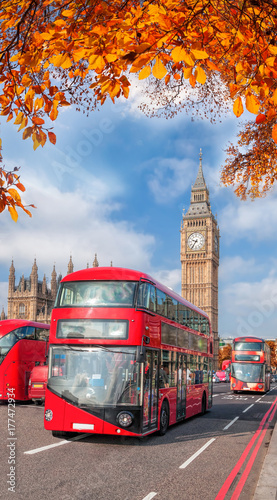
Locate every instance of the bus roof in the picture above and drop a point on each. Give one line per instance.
(248, 339)
(8, 325)
(120, 273)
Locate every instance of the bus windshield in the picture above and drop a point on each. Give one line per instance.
(247, 372)
(248, 346)
(95, 376)
(96, 293)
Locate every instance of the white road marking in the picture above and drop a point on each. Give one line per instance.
(231, 423)
(246, 409)
(185, 464)
(150, 495)
(61, 443)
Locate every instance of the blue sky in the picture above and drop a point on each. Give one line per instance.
(116, 184)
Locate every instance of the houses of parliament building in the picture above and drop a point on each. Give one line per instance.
(33, 300)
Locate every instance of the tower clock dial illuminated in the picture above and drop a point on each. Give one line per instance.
(196, 241)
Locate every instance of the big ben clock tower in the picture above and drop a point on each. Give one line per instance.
(200, 254)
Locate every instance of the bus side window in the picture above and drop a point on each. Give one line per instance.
(42, 334)
(25, 332)
(161, 303)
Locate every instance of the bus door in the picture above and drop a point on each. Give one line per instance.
(150, 391)
(181, 386)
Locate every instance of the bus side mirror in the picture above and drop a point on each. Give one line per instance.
(140, 354)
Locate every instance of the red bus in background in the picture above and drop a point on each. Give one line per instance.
(127, 355)
(23, 344)
(226, 364)
(37, 383)
(250, 368)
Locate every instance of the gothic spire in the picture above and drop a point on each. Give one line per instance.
(70, 266)
(95, 262)
(200, 181)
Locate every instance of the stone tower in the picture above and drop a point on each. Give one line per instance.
(200, 254)
(31, 299)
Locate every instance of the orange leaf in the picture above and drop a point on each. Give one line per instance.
(238, 107)
(37, 120)
(27, 132)
(20, 186)
(252, 104)
(144, 73)
(52, 137)
(260, 118)
(274, 133)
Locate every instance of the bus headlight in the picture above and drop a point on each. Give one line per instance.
(233, 385)
(125, 419)
(260, 386)
(48, 415)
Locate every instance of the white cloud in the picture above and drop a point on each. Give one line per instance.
(168, 178)
(253, 305)
(252, 220)
(77, 223)
(234, 267)
(170, 278)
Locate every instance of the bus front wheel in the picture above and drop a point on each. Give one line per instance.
(164, 419)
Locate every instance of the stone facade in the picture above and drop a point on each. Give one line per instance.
(33, 299)
(200, 254)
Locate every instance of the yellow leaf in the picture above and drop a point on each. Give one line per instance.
(68, 13)
(273, 50)
(19, 118)
(13, 213)
(189, 60)
(159, 70)
(187, 73)
(252, 104)
(14, 194)
(199, 54)
(144, 73)
(200, 75)
(270, 61)
(111, 57)
(46, 36)
(238, 107)
(274, 97)
(66, 63)
(178, 54)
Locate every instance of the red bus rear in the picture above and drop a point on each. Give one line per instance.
(250, 368)
(37, 383)
(23, 344)
(127, 355)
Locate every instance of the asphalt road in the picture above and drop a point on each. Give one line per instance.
(208, 457)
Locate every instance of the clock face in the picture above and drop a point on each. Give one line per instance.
(196, 241)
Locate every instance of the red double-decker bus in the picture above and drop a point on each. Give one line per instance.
(23, 344)
(127, 355)
(250, 368)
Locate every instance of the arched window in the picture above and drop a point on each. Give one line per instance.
(22, 309)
